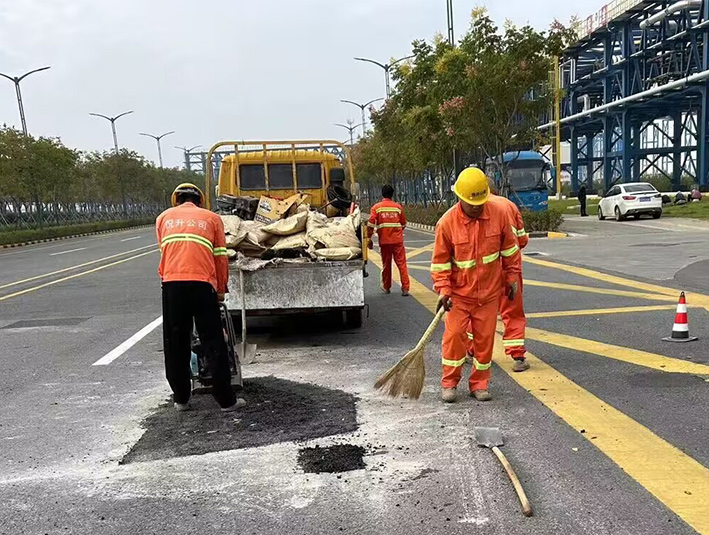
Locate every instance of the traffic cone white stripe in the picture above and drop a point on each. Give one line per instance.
(680, 327)
(681, 308)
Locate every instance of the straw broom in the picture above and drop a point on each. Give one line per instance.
(406, 377)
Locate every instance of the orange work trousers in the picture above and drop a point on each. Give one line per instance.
(515, 322)
(481, 319)
(396, 252)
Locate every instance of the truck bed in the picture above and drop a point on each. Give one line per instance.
(295, 287)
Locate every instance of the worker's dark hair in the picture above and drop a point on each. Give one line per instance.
(188, 197)
(388, 192)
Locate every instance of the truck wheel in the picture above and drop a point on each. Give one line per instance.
(353, 319)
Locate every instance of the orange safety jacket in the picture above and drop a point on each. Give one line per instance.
(389, 220)
(193, 246)
(470, 255)
(516, 218)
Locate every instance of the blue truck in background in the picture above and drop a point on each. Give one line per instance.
(529, 176)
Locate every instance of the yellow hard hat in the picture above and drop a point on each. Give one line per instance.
(187, 188)
(472, 187)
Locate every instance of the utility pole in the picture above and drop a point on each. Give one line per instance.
(387, 68)
(362, 107)
(113, 120)
(16, 80)
(451, 33)
(158, 138)
(187, 152)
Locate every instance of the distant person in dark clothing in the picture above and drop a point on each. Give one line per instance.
(582, 200)
(680, 198)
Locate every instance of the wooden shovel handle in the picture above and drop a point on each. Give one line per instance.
(526, 506)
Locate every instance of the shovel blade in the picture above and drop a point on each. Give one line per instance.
(248, 353)
(488, 437)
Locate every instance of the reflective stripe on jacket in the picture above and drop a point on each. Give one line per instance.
(193, 246)
(473, 258)
(515, 217)
(389, 220)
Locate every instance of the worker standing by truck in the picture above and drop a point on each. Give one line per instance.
(511, 310)
(194, 273)
(389, 220)
(475, 257)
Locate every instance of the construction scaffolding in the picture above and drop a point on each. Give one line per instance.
(635, 95)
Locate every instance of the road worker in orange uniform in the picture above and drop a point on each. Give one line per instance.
(475, 257)
(511, 311)
(390, 221)
(194, 271)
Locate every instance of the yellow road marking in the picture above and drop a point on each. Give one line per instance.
(427, 269)
(420, 250)
(603, 291)
(70, 277)
(600, 311)
(625, 354)
(695, 298)
(673, 477)
(71, 268)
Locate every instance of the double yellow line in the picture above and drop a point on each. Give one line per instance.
(75, 275)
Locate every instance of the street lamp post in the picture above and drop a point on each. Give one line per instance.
(16, 80)
(451, 32)
(387, 68)
(350, 127)
(158, 138)
(362, 107)
(187, 151)
(113, 120)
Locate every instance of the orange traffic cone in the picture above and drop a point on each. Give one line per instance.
(680, 330)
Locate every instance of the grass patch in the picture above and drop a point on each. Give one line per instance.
(9, 237)
(548, 221)
(694, 210)
(572, 207)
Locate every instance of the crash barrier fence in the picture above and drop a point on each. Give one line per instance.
(425, 191)
(21, 214)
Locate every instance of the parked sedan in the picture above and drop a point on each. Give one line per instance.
(634, 199)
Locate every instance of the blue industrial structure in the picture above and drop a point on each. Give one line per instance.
(635, 94)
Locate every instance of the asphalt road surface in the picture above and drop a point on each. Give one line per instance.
(607, 431)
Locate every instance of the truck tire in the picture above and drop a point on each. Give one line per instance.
(353, 319)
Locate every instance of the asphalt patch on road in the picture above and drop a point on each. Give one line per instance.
(332, 459)
(277, 411)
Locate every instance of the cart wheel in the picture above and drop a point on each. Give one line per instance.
(353, 319)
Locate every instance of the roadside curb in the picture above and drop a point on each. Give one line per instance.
(48, 240)
(550, 235)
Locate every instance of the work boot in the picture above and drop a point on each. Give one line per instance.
(405, 293)
(182, 407)
(481, 395)
(449, 395)
(520, 365)
(240, 402)
(385, 290)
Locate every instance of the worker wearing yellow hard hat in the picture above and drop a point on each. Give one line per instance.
(194, 270)
(475, 257)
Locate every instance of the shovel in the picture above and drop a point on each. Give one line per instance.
(491, 437)
(248, 351)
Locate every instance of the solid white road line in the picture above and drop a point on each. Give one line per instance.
(69, 251)
(133, 238)
(125, 346)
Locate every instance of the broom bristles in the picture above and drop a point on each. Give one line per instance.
(406, 377)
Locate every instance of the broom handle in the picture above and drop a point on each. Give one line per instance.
(431, 328)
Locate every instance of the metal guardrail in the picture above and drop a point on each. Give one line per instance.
(21, 214)
(603, 16)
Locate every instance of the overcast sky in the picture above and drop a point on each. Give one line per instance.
(216, 70)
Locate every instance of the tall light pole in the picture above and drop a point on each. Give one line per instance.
(451, 33)
(187, 151)
(387, 68)
(113, 120)
(158, 138)
(16, 80)
(362, 107)
(350, 127)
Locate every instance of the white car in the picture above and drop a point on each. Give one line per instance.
(633, 199)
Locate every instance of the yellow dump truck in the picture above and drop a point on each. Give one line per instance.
(323, 171)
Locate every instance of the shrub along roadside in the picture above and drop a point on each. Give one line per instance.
(548, 221)
(21, 236)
